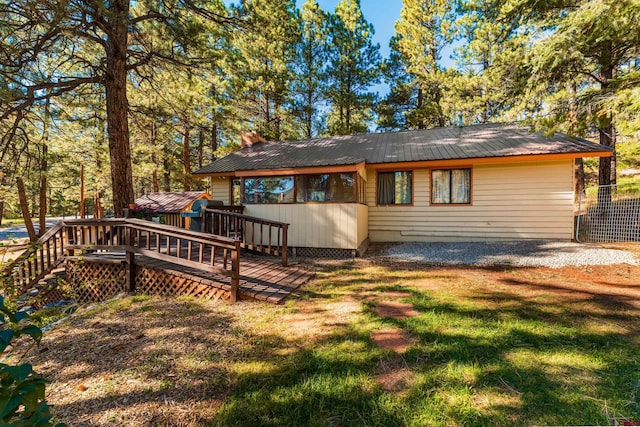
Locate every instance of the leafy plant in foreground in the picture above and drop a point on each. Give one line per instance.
(22, 390)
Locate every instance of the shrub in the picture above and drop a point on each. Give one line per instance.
(22, 390)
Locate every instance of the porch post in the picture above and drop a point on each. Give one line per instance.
(130, 265)
(285, 250)
(235, 272)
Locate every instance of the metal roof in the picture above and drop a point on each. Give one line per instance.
(448, 143)
(170, 201)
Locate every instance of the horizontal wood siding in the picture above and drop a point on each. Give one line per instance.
(363, 223)
(321, 225)
(220, 189)
(528, 200)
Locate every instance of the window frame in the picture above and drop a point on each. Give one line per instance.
(431, 170)
(394, 171)
(358, 190)
(240, 187)
(257, 195)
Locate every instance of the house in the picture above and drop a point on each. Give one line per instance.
(473, 183)
(171, 204)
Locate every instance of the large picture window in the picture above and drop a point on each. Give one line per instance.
(395, 188)
(268, 190)
(451, 186)
(341, 187)
(329, 187)
(236, 191)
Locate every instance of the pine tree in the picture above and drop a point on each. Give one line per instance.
(423, 31)
(92, 44)
(267, 51)
(491, 62)
(591, 45)
(354, 66)
(398, 109)
(310, 85)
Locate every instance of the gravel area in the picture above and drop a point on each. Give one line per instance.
(533, 253)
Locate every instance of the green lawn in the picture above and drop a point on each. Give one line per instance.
(489, 358)
(493, 347)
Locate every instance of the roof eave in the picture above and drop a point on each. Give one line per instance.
(353, 167)
(485, 160)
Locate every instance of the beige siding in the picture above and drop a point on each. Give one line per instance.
(529, 200)
(363, 223)
(220, 189)
(321, 225)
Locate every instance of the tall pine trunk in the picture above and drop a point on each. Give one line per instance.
(573, 119)
(200, 146)
(24, 208)
(186, 155)
(166, 169)
(214, 140)
(42, 209)
(153, 136)
(606, 127)
(115, 82)
(419, 105)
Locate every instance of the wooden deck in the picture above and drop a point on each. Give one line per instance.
(261, 278)
(107, 256)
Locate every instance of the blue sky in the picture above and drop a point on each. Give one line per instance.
(383, 14)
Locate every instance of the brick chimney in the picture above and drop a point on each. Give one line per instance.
(250, 138)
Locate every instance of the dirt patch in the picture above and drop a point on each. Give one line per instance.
(395, 310)
(314, 321)
(394, 381)
(394, 295)
(393, 339)
(394, 375)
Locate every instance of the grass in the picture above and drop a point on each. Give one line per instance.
(11, 222)
(493, 347)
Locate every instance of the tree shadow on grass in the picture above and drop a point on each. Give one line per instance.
(495, 357)
(487, 357)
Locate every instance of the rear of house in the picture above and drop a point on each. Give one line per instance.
(475, 183)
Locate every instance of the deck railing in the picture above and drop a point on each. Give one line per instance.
(36, 262)
(256, 234)
(174, 219)
(215, 254)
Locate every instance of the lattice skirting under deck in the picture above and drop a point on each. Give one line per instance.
(92, 280)
(331, 253)
(151, 281)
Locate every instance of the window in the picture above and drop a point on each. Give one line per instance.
(236, 191)
(345, 187)
(394, 188)
(268, 190)
(329, 187)
(451, 186)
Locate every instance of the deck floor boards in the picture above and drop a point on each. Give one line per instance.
(261, 278)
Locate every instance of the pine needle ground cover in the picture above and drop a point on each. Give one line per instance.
(364, 344)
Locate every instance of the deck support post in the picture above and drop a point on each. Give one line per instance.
(130, 271)
(235, 272)
(130, 267)
(285, 250)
